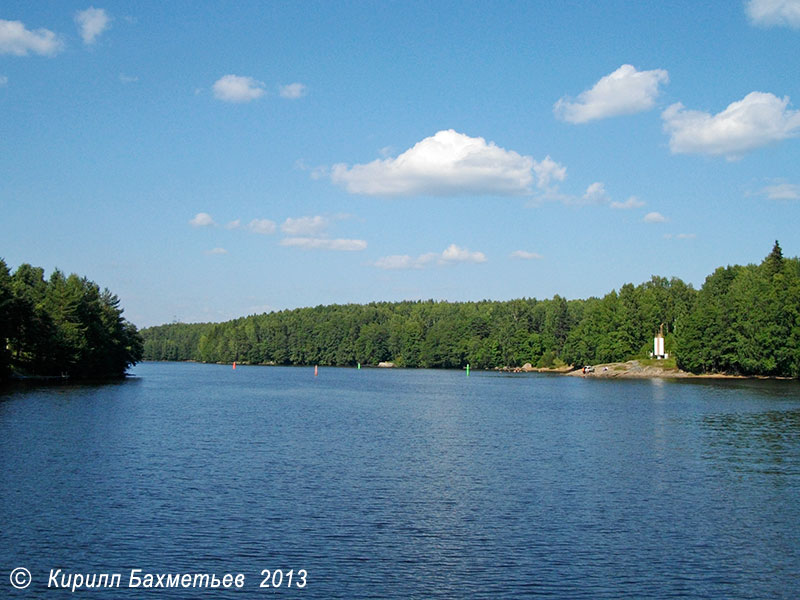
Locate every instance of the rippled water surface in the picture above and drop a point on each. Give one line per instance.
(406, 484)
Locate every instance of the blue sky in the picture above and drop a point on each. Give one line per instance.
(208, 160)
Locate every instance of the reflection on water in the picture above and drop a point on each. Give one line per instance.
(408, 484)
(765, 442)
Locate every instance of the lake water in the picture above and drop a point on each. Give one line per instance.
(405, 484)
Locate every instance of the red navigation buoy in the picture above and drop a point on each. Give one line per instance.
(316, 372)
(234, 365)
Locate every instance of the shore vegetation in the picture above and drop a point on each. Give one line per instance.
(745, 320)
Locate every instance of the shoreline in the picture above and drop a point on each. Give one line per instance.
(631, 369)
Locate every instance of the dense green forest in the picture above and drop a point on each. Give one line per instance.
(744, 320)
(62, 326)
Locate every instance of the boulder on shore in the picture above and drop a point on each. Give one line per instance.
(386, 365)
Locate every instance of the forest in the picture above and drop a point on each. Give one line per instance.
(62, 326)
(744, 320)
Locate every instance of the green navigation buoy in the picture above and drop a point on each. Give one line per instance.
(467, 369)
(359, 365)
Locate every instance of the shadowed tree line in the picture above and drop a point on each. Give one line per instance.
(744, 320)
(62, 326)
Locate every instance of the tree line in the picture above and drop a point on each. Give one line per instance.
(62, 326)
(744, 320)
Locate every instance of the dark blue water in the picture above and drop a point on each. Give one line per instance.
(405, 484)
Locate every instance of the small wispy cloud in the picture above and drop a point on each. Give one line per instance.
(595, 194)
(679, 236)
(453, 254)
(91, 23)
(235, 224)
(3, 80)
(654, 217)
(769, 13)
(632, 202)
(214, 251)
(305, 226)
(525, 255)
(18, 40)
(781, 191)
(202, 219)
(310, 243)
(548, 171)
(293, 91)
(127, 78)
(237, 89)
(262, 226)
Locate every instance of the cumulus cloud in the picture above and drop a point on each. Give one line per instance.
(632, 202)
(202, 219)
(756, 120)
(774, 12)
(548, 171)
(16, 39)
(293, 91)
(235, 88)
(91, 23)
(525, 255)
(447, 164)
(305, 226)
(311, 243)
(782, 191)
(595, 193)
(623, 92)
(654, 217)
(262, 226)
(451, 255)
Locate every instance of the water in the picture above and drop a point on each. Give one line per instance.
(405, 484)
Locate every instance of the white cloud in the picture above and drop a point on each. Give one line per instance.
(680, 236)
(16, 39)
(548, 170)
(91, 23)
(756, 120)
(233, 224)
(623, 92)
(455, 253)
(525, 255)
(774, 12)
(293, 91)
(262, 226)
(310, 243)
(446, 164)
(305, 226)
(127, 78)
(235, 88)
(782, 191)
(654, 217)
(632, 202)
(397, 262)
(202, 219)
(3, 80)
(451, 255)
(595, 193)
(217, 251)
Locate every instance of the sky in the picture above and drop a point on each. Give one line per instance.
(209, 160)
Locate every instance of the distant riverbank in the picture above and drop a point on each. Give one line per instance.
(634, 369)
